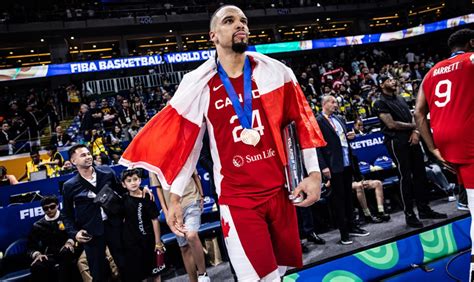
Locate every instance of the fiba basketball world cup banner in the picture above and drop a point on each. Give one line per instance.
(201, 55)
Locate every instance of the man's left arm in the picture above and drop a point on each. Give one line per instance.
(421, 113)
(310, 137)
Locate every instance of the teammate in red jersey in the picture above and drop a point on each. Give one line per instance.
(447, 93)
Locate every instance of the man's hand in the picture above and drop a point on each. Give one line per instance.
(351, 135)
(414, 137)
(82, 236)
(311, 186)
(444, 162)
(148, 191)
(327, 173)
(69, 245)
(39, 258)
(175, 216)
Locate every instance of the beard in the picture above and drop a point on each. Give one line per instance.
(239, 47)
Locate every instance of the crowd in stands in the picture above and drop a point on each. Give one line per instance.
(108, 122)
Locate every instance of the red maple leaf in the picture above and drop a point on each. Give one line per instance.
(225, 228)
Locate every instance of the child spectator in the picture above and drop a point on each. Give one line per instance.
(141, 230)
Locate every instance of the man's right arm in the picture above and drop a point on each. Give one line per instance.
(383, 112)
(387, 119)
(68, 211)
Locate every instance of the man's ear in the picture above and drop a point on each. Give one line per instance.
(212, 35)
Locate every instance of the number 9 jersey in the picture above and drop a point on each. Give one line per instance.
(449, 92)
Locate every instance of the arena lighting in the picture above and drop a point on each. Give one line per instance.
(72, 37)
(385, 18)
(318, 5)
(206, 53)
(43, 63)
(27, 56)
(42, 40)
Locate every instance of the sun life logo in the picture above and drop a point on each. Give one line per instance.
(238, 161)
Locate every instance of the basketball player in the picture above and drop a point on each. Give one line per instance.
(244, 99)
(447, 93)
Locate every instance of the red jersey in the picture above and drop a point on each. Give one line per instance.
(450, 96)
(245, 176)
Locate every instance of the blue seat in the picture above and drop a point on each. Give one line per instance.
(390, 181)
(21, 275)
(16, 248)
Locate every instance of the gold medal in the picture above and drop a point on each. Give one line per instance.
(250, 137)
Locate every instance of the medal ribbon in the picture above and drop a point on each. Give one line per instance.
(244, 114)
(457, 53)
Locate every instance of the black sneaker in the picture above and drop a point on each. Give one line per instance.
(313, 237)
(413, 221)
(304, 248)
(383, 216)
(358, 232)
(372, 219)
(431, 214)
(345, 240)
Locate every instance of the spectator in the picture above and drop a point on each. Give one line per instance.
(402, 142)
(360, 187)
(140, 110)
(86, 220)
(142, 237)
(60, 138)
(34, 165)
(95, 114)
(67, 168)
(190, 245)
(335, 162)
(53, 113)
(74, 99)
(97, 143)
(6, 140)
(86, 119)
(5, 178)
(306, 228)
(31, 121)
(109, 115)
(48, 245)
(55, 162)
(114, 143)
(126, 116)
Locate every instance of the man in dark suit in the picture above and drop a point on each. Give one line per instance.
(60, 138)
(336, 165)
(86, 221)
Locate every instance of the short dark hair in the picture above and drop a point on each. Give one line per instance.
(52, 147)
(129, 173)
(34, 151)
(460, 38)
(73, 149)
(49, 200)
